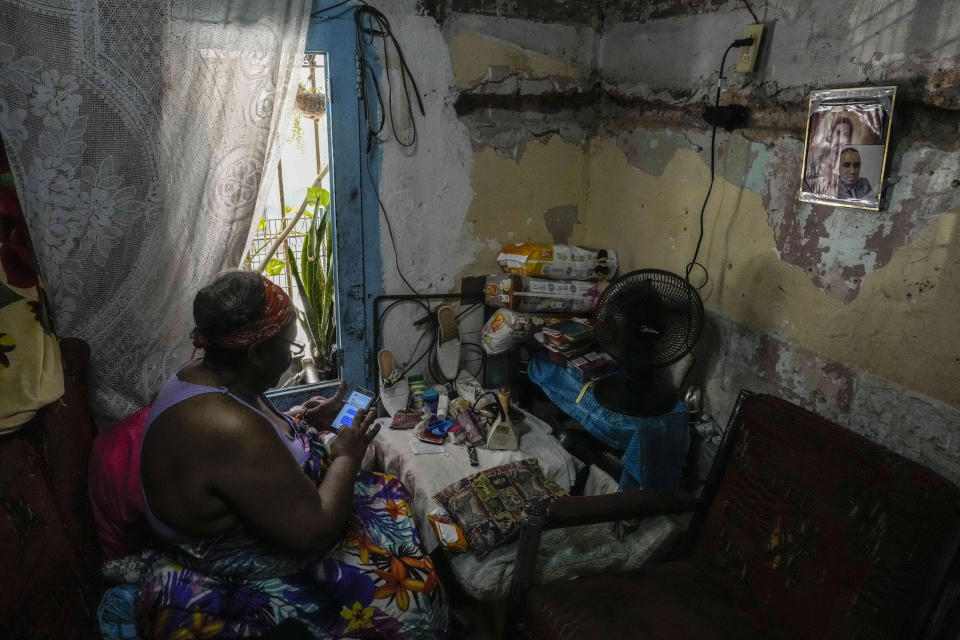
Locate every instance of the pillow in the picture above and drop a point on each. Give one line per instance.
(116, 491)
(488, 505)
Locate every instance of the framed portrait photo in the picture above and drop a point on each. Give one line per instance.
(845, 148)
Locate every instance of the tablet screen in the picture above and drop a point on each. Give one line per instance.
(355, 401)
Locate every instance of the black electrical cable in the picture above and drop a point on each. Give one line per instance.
(408, 365)
(747, 4)
(423, 355)
(393, 240)
(713, 141)
(483, 358)
(405, 73)
(432, 330)
(469, 307)
(377, 26)
(370, 23)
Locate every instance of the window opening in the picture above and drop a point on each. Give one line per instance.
(303, 182)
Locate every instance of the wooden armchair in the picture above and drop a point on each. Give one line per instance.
(804, 529)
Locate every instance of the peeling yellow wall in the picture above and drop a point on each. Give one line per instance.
(653, 222)
(513, 195)
(473, 55)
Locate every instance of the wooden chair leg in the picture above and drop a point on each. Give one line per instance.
(527, 547)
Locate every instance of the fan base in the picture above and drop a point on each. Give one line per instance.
(645, 395)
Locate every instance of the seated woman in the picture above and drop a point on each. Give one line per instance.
(259, 521)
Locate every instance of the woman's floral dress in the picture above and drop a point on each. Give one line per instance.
(377, 582)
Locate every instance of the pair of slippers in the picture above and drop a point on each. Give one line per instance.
(394, 389)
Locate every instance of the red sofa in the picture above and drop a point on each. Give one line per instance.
(804, 530)
(49, 560)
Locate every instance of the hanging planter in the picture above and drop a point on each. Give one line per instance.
(311, 105)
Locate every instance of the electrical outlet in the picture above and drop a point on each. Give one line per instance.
(747, 63)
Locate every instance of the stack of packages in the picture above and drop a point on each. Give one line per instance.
(568, 338)
(543, 290)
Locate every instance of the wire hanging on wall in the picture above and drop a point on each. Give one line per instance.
(713, 143)
(747, 4)
(371, 25)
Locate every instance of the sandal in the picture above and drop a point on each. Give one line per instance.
(394, 390)
(448, 342)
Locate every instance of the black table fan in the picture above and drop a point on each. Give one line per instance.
(645, 320)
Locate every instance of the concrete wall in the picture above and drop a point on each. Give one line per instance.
(580, 122)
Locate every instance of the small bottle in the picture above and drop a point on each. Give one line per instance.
(443, 403)
(417, 386)
(310, 373)
(431, 400)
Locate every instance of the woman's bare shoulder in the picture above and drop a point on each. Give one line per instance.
(206, 420)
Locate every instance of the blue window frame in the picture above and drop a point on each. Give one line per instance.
(354, 174)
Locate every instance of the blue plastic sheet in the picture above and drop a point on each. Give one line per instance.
(653, 449)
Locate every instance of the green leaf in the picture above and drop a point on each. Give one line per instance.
(288, 208)
(304, 250)
(275, 267)
(323, 226)
(308, 267)
(315, 281)
(262, 224)
(317, 195)
(311, 322)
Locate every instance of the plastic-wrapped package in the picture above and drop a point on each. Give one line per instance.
(460, 409)
(558, 261)
(449, 534)
(538, 295)
(507, 329)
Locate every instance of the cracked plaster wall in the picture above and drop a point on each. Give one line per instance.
(469, 186)
(851, 313)
(562, 129)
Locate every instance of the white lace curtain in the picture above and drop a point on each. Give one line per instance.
(138, 131)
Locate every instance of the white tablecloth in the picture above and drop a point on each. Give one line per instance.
(564, 554)
(426, 474)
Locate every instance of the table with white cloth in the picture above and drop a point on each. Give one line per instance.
(565, 554)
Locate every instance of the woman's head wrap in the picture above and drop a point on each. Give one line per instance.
(278, 311)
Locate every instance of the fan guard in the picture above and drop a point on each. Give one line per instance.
(646, 320)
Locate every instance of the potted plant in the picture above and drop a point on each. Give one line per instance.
(314, 276)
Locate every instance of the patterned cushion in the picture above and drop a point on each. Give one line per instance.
(488, 505)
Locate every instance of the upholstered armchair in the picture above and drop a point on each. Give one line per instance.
(803, 529)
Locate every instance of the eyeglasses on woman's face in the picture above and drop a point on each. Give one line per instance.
(296, 348)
